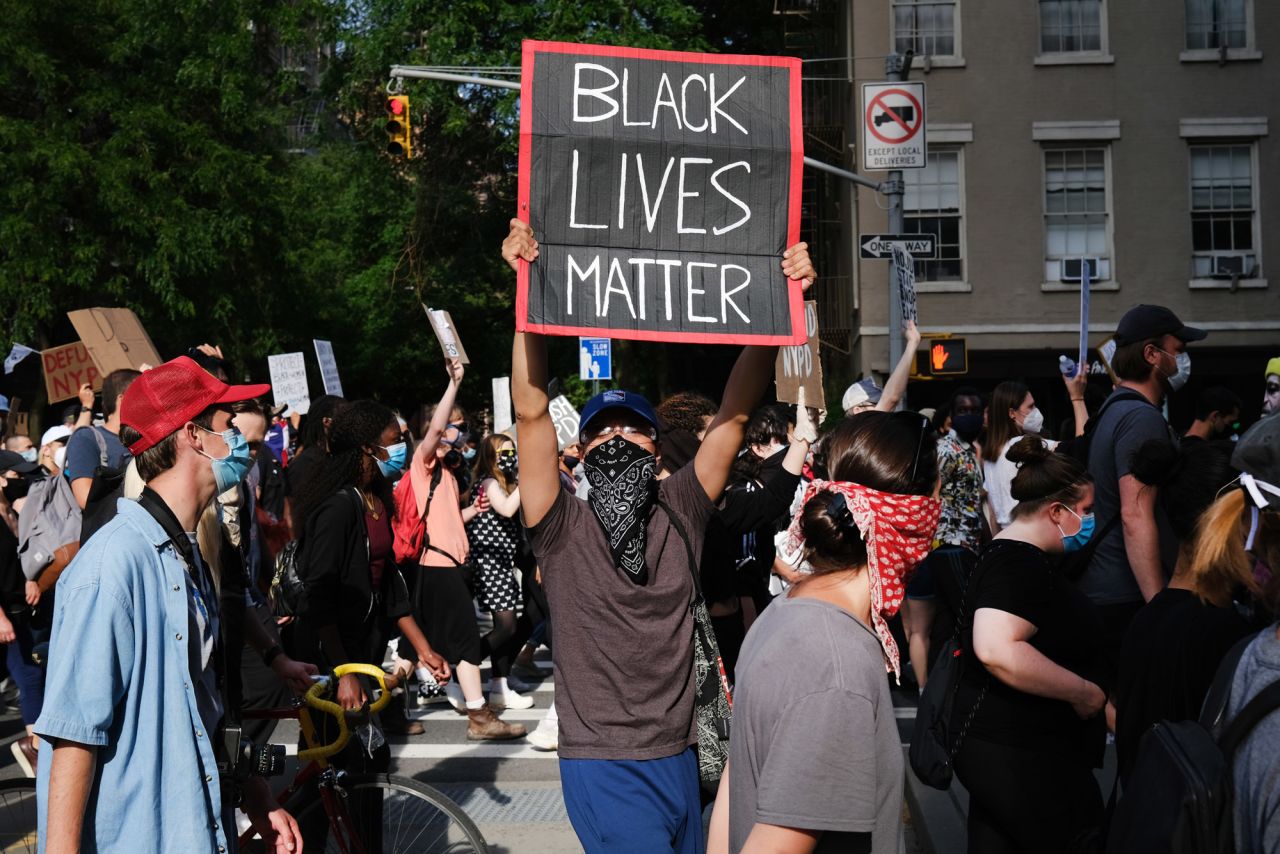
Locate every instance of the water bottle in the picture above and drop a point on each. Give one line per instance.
(1067, 366)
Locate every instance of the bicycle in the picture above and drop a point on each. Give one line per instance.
(18, 816)
(407, 809)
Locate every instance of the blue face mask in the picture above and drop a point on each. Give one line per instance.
(31, 455)
(231, 469)
(1079, 539)
(468, 452)
(393, 466)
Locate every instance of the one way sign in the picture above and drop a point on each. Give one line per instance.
(881, 245)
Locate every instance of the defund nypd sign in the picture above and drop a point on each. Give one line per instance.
(662, 188)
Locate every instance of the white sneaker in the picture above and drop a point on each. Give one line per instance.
(453, 692)
(510, 700)
(519, 686)
(546, 736)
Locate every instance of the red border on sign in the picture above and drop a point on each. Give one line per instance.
(795, 290)
(911, 132)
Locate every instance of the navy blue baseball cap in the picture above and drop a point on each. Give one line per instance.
(616, 399)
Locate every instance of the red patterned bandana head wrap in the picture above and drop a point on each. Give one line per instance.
(898, 531)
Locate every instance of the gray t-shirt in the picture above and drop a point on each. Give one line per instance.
(1124, 427)
(814, 742)
(1257, 760)
(624, 651)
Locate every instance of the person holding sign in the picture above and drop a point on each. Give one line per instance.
(616, 571)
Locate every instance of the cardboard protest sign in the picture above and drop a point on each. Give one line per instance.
(328, 367)
(20, 424)
(66, 368)
(115, 339)
(565, 417)
(502, 418)
(447, 333)
(663, 188)
(904, 269)
(800, 367)
(289, 381)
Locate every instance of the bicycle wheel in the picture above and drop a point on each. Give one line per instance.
(390, 814)
(18, 816)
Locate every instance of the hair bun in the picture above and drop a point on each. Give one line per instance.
(1029, 450)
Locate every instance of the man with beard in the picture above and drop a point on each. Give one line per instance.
(616, 571)
(1217, 415)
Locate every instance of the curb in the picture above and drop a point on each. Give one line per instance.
(939, 818)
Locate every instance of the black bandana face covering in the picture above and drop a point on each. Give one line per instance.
(623, 492)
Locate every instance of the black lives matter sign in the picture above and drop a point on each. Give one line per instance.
(663, 188)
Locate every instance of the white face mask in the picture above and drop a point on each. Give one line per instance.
(60, 457)
(1034, 422)
(1183, 373)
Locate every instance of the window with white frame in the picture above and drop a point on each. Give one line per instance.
(934, 204)
(925, 27)
(1214, 24)
(1077, 216)
(1072, 26)
(1223, 211)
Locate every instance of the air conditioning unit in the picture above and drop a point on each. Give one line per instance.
(1073, 269)
(1231, 266)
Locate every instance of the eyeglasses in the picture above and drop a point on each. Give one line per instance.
(625, 430)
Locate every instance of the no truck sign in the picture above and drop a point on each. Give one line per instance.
(893, 126)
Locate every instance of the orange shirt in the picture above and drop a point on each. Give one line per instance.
(444, 517)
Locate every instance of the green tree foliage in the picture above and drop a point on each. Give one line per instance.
(148, 162)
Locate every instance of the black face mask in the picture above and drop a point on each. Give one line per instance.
(624, 488)
(508, 464)
(967, 426)
(571, 461)
(16, 488)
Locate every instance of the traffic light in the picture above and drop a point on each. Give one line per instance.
(397, 126)
(948, 357)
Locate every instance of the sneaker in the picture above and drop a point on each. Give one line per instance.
(546, 736)
(511, 700)
(26, 754)
(514, 684)
(453, 693)
(430, 694)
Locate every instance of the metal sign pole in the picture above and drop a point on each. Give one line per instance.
(896, 68)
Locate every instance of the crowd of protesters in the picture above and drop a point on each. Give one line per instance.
(824, 561)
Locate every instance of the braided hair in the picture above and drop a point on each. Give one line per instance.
(356, 427)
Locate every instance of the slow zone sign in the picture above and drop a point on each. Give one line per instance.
(663, 188)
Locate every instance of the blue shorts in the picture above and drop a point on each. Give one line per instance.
(634, 806)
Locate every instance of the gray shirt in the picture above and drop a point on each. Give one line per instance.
(814, 742)
(1257, 760)
(1124, 427)
(624, 651)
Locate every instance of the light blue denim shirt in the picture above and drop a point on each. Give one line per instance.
(119, 679)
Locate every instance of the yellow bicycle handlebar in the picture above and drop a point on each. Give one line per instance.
(313, 699)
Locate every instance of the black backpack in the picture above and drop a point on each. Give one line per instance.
(1181, 792)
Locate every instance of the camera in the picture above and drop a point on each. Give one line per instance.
(246, 759)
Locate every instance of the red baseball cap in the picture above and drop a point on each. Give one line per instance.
(164, 398)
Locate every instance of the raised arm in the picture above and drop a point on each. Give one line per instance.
(440, 420)
(539, 463)
(751, 375)
(896, 386)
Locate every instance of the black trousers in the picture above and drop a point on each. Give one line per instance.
(1029, 801)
